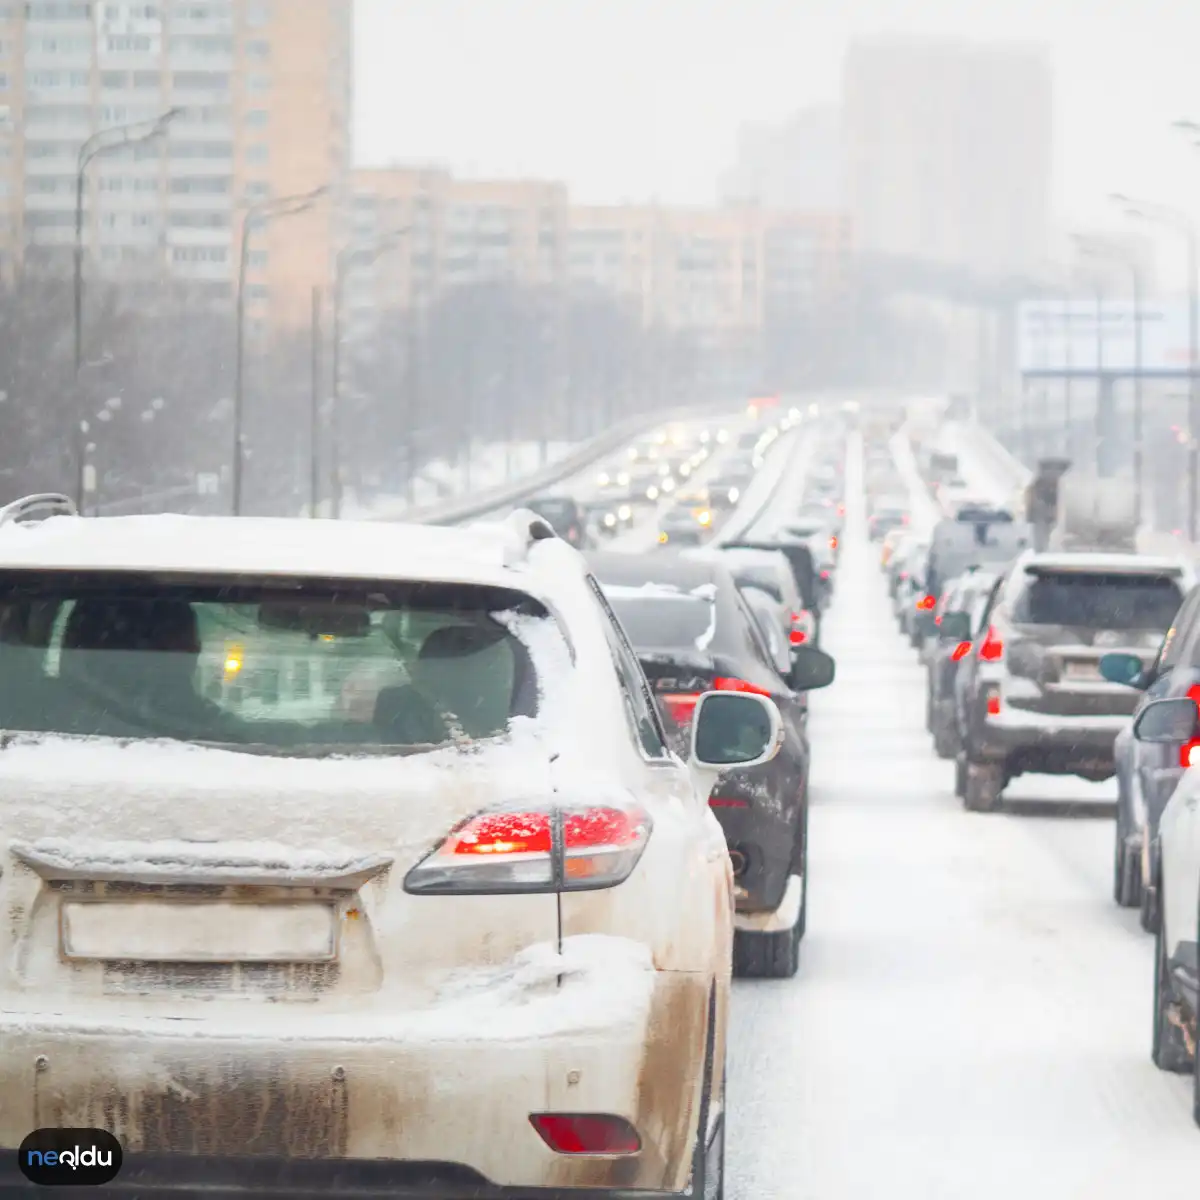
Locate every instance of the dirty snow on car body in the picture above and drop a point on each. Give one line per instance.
(971, 1017)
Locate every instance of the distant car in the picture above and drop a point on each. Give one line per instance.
(1175, 1024)
(683, 525)
(694, 633)
(888, 513)
(1031, 697)
(960, 609)
(566, 516)
(726, 489)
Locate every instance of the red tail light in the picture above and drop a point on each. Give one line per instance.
(586, 1133)
(515, 850)
(1189, 752)
(798, 637)
(993, 704)
(825, 574)
(927, 603)
(904, 519)
(992, 647)
(841, 510)
(680, 706)
(960, 651)
(722, 684)
(903, 574)
(833, 543)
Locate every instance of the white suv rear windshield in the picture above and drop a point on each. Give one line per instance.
(318, 670)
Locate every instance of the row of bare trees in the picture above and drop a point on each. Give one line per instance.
(151, 410)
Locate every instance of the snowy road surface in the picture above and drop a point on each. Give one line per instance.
(971, 1018)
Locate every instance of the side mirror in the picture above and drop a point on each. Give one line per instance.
(1167, 721)
(735, 729)
(1119, 667)
(812, 669)
(955, 627)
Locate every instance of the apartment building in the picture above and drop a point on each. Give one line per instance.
(793, 164)
(260, 92)
(948, 151)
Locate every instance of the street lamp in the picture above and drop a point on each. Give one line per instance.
(1182, 224)
(349, 260)
(256, 215)
(106, 141)
(1103, 249)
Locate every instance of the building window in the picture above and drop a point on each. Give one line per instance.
(259, 258)
(257, 48)
(256, 118)
(258, 291)
(256, 82)
(258, 15)
(257, 189)
(256, 154)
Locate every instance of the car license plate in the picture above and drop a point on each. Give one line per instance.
(1083, 671)
(198, 932)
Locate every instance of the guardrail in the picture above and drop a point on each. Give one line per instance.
(781, 457)
(511, 495)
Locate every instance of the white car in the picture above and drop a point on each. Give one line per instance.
(1177, 884)
(342, 856)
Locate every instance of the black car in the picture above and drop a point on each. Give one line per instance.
(565, 515)
(814, 591)
(694, 633)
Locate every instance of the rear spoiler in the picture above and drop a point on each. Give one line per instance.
(156, 865)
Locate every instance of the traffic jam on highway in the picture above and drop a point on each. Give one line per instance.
(366, 859)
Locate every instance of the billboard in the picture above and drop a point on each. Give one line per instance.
(1059, 337)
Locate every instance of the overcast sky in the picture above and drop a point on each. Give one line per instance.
(641, 99)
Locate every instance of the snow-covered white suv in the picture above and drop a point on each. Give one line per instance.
(1177, 884)
(351, 858)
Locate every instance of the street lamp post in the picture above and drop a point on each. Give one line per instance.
(257, 214)
(105, 141)
(349, 260)
(1182, 224)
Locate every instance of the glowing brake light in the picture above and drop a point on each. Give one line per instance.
(927, 603)
(680, 706)
(833, 542)
(960, 651)
(1189, 752)
(992, 647)
(537, 849)
(993, 704)
(723, 684)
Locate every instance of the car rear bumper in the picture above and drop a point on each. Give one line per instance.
(1029, 743)
(295, 1111)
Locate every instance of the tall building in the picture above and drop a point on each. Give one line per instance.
(948, 151)
(263, 92)
(794, 164)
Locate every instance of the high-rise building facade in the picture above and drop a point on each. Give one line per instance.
(793, 164)
(948, 152)
(262, 96)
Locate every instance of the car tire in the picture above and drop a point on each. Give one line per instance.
(767, 955)
(708, 1157)
(1127, 873)
(960, 773)
(930, 719)
(1168, 1048)
(1150, 916)
(984, 786)
(945, 736)
(800, 867)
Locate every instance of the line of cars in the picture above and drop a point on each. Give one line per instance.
(405, 832)
(1071, 660)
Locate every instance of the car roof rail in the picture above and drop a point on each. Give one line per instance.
(38, 508)
(521, 529)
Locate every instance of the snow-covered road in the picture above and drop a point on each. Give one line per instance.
(971, 1018)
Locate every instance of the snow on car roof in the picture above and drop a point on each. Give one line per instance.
(172, 544)
(1112, 563)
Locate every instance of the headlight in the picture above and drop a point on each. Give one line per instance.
(603, 479)
(668, 484)
(733, 495)
(624, 512)
(705, 518)
(685, 469)
(723, 436)
(623, 479)
(652, 493)
(662, 539)
(632, 454)
(609, 520)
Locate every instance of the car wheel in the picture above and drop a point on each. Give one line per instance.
(767, 955)
(1150, 915)
(800, 867)
(945, 737)
(1169, 1048)
(984, 785)
(708, 1157)
(960, 774)
(1127, 872)
(930, 720)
